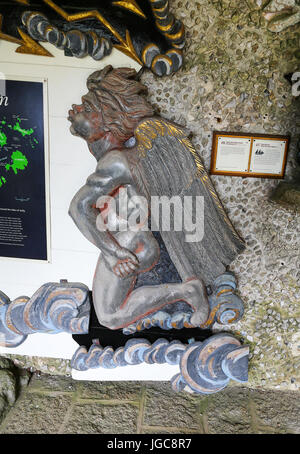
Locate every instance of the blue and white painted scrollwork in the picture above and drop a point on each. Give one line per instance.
(54, 308)
(205, 367)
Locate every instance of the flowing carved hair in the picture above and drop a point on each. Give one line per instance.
(120, 100)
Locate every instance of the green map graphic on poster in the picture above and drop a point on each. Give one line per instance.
(15, 161)
(23, 188)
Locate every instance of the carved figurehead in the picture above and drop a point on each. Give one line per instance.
(141, 158)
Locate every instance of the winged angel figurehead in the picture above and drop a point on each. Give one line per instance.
(142, 159)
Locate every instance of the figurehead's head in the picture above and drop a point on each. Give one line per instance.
(113, 106)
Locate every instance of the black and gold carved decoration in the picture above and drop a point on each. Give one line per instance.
(145, 30)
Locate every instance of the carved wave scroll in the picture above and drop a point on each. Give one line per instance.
(78, 43)
(173, 30)
(154, 39)
(205, 367)
(54, 308)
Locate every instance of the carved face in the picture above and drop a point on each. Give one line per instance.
(87, 120)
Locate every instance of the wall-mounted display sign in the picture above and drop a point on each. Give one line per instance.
(249, 155)
(24, 219)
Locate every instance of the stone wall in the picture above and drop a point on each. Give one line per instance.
(12, 381)
(51, 405)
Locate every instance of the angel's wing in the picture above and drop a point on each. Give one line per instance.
(168, 165)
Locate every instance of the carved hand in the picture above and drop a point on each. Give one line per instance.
(122, 263)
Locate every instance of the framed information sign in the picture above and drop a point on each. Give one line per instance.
(249, 155)
(24, 194)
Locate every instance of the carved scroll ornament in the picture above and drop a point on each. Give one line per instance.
(54, 308)
(205, 367)
(145, 31)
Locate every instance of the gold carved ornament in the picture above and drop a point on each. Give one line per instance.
(29, 46)
(125, 45)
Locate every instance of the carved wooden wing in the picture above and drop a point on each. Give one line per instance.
(168, 165)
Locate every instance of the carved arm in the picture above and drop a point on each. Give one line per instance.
(83, 209)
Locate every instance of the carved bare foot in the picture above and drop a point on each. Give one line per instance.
(195, 295)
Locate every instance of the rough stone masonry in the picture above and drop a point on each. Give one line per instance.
(51, 405)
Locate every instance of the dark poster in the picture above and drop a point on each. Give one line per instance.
(23, 207)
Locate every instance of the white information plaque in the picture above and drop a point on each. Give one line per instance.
(233, 154)
(249, 155)
(267, 156)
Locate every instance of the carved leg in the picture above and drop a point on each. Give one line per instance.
(111, 292)
(117, 306)
(225, 307)
(146, 300)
